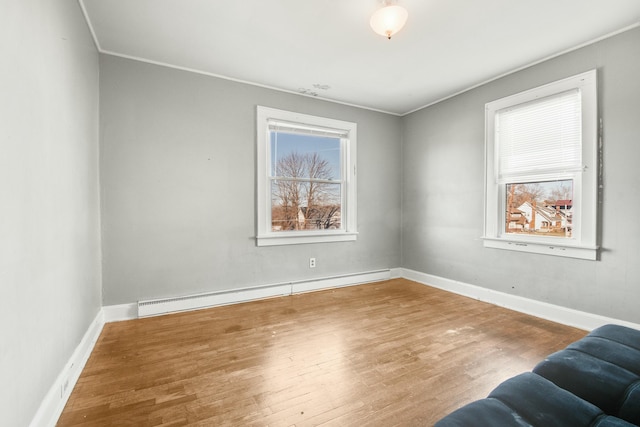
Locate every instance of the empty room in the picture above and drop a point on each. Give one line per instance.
(320, 212)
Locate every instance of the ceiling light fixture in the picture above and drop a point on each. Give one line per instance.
(389, 19)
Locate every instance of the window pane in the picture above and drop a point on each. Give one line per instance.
(305, 205)
(305, 156)
(540, 208)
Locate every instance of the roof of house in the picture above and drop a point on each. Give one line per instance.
(563, 202)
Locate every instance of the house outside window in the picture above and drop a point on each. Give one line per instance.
(542, 169)
(306, 178)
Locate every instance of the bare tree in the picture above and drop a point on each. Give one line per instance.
(521, 193)
(329, 217)
(302, 199)
(317, 168)
(288, 191)
(562, 192)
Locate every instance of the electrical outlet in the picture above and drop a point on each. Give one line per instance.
(312, 263)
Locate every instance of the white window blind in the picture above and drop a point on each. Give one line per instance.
(297, 128)
(540, 137)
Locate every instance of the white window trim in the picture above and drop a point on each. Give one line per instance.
(264, 235)
(584, 243)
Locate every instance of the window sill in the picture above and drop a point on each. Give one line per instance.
(298, 238)
(544, 248)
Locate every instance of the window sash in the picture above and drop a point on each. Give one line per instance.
(273, 169)
(576, 179)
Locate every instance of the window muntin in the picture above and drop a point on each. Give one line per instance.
(543, 137)
(306, 178)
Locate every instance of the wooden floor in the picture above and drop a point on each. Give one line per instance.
(392, 353)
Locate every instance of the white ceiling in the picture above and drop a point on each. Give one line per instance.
(327, 49)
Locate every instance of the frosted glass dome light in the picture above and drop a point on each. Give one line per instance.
(389, 19)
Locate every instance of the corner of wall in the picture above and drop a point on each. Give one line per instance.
(58, 395)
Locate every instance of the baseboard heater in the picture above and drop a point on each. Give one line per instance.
(155, 307)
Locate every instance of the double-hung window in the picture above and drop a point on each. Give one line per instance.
(542, 169)
(306, 178)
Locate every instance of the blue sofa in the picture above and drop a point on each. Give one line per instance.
(593, 382)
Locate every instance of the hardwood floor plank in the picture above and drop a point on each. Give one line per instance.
(381, 354)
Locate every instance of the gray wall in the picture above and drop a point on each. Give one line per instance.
(49, 193)
(177, 170)
(443, 179)
(178, 186)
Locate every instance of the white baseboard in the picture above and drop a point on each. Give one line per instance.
(160, 306)
(339, 281)
(53, 403)
(555, 313)
(396, 273)
(117, 313)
